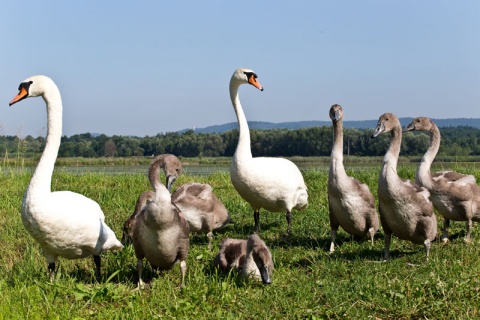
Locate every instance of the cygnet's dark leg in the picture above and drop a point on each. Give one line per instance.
(256, 216)
(98, 273)
(446, 225)
(388, 239)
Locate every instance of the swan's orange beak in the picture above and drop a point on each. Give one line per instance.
(253, 81)
(20, 96)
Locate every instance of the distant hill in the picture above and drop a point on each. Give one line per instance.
(363, 124)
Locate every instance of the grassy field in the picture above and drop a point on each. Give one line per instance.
(308, 283)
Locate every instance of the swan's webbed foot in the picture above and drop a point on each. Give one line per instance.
(445, 239)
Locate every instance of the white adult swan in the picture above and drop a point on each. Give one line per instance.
(405, 208)
(350, 203)
(456, 196)
(64, 223)
(274, 184)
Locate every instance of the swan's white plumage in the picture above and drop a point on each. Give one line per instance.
(274, 184)
(64, 223)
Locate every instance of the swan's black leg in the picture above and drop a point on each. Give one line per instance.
(256, 216)
(289, 221)
(51, 270)
(98, 273)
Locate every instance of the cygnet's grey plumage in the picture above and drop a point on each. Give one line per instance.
(405, 208)
(172, 168)
(351, 204)
(250, 257)
(160, 231)
(202, 209)
(197, 202)
(456, 196)
(142, 201)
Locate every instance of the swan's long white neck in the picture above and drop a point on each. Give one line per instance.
(336, 163)
(243, 151)
(42, 177)
(423, 176)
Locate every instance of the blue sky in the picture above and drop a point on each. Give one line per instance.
(144, 67)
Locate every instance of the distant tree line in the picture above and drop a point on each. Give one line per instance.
(317, 141)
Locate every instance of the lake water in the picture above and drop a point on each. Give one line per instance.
(206, 169)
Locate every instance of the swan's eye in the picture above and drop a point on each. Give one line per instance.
(25, 85)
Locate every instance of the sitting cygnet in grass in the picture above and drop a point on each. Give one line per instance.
(250, 257)
(202, 209)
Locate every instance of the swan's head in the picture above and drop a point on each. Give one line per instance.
(420, 124)
(33, 87)
(244, 75)
(386, 123)
(336, 113)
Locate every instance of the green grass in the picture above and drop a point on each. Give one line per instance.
(308, 283)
